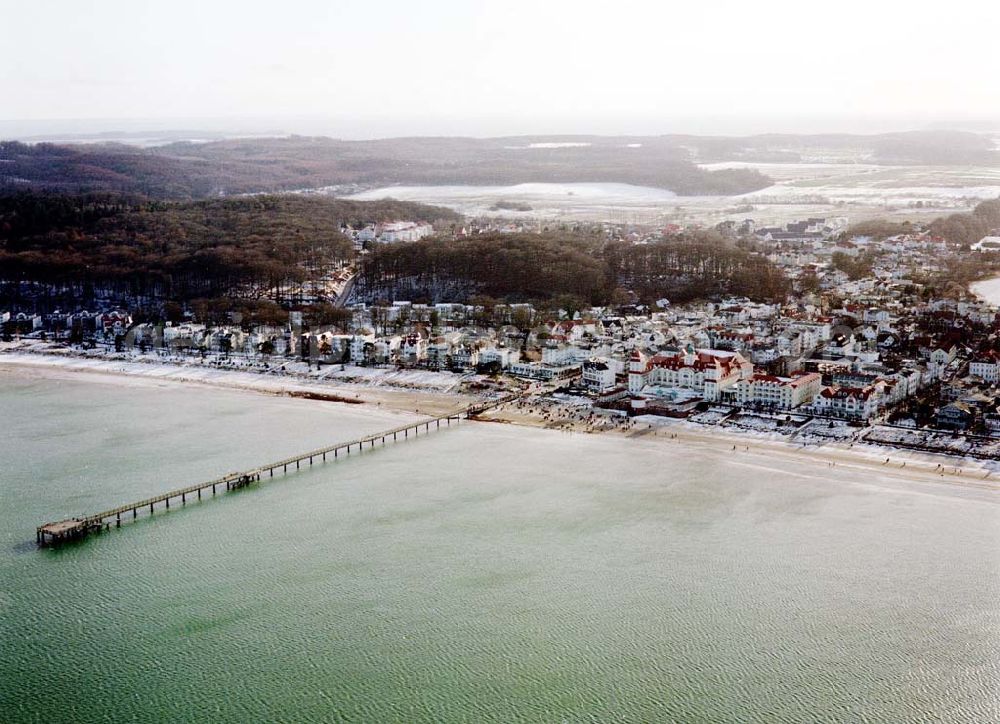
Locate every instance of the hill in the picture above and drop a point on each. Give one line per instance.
(252, 246)
(198, 170)
(542, 268)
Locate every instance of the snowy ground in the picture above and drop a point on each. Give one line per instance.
(828, 430)
(857, 191)
(711, 416)
(257, 374)
(786, 424)
(934, 442)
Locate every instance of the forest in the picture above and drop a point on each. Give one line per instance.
(515, 267)
(259, 247)
(923, 148)
(965, 228)
(968, 228)
(256, 245)
(237, 166)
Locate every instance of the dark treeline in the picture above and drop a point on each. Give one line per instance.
(925, 148)
(693, 266)
(249, 246)
(516, 267)
(190, 171)
(970, 227)
(963, 228)
(540, 268)
(102, 168)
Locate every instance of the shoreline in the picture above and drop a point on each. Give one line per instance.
(156, 373)
(987, 290)
(904, 465)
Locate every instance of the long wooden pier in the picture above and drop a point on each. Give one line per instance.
(82, 526)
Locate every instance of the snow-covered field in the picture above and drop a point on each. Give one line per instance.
(858, 191)
(546, 199)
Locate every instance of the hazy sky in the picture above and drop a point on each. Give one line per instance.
(494, 67)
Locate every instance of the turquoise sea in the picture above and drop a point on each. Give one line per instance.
(481, 574)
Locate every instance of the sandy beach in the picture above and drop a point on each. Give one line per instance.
(398, 399)
(857, 459)
(860, 459)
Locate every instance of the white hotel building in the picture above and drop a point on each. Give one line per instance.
(709, 372)
(784, 393)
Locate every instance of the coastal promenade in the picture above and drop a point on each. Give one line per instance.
(81, 526)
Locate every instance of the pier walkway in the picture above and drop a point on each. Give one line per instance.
(80, 527)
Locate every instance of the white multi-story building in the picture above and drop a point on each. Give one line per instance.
(854, 403)
(986, 367)
(403, 231)
(785, 393)
(539, 371)
(505, 356)
(386, 349)
(707, 371)
(413, 349)
(357, 347)
(464, 356)
(598, 375)
(438, 354)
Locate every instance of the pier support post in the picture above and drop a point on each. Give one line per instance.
(150, 508)
(168, 503)
(183, 499)
(118, 520)
(135, 514)
(199, 493)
